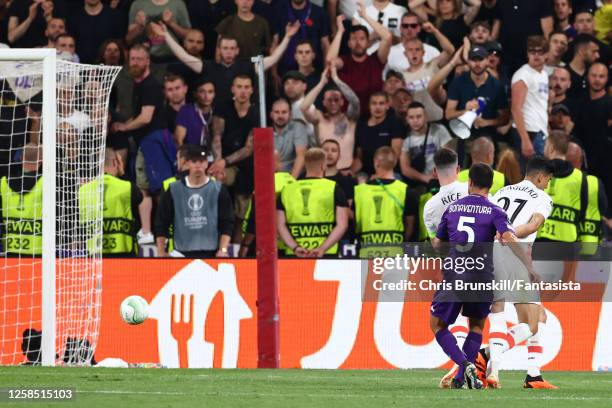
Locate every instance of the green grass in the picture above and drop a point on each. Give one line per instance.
(152, 388)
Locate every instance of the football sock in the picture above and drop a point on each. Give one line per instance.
(534, 353)
(497, 338)
(447, 341)
(470, 349)
(459, 329)
(516, 335)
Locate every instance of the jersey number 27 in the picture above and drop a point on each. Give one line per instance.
(505, 203)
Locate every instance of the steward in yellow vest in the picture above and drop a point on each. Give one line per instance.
(382, 221)
(590, 230)
(568, 191)
(120, 203)
(281, 179)
(312, 212)
(21, 206)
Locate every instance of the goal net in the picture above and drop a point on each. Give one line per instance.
(53, 121)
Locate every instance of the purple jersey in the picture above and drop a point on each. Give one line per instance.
(472, 219)
(469, 225)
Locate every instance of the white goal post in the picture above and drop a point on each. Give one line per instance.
(65, 304)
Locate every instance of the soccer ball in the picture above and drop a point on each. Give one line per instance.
(134, 310)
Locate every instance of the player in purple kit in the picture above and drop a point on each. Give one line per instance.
(468, 221)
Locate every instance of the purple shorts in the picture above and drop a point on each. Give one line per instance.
(448, 311)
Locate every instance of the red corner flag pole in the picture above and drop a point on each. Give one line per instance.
(268, 338)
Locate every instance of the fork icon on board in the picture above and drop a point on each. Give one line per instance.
(181, 325)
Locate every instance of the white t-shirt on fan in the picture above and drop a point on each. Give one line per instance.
(535, 108)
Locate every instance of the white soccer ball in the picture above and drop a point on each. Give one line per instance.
(134, 309)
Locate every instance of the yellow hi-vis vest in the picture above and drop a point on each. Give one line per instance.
(499, 180)
(22, 215)
(423, 234)
(590, 232)
(166, 185)
(117, 218)
(310, 212)
(281, 179)
(379, 218)
(562, 224)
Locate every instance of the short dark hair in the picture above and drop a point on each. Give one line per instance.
(331, 88)
(583, 10)
(481, 175)
(582, 40)
(359, 27)
(556, 32)
(228, 38)
(184, 149)
(379, 93)
(242, 76)
(64, 35)
(539, 164)
(203, 81)
(410, 14)
(416, 105)
(305, 41)
(172, 78)
(445, 157)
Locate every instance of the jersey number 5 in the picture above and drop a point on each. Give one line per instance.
(464, 226)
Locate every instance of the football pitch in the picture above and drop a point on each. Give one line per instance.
(150, 388)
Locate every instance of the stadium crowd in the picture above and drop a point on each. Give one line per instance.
(360, 97)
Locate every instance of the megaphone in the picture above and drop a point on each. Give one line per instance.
(462, 125)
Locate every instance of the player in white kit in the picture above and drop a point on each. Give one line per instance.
(527, 207)
(446, 168)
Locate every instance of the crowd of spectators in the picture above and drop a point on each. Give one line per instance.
(361, 75)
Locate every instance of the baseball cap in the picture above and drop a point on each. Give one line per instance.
(494, 46)
(560, 108)
(297, 75)
(195, 153)
(478, 52)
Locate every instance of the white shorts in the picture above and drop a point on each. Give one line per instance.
(507, 268)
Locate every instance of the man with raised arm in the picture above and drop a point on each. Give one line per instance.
(333, 123)
(362, 72)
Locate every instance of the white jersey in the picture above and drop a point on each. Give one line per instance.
(521, 201)
(436, 205)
